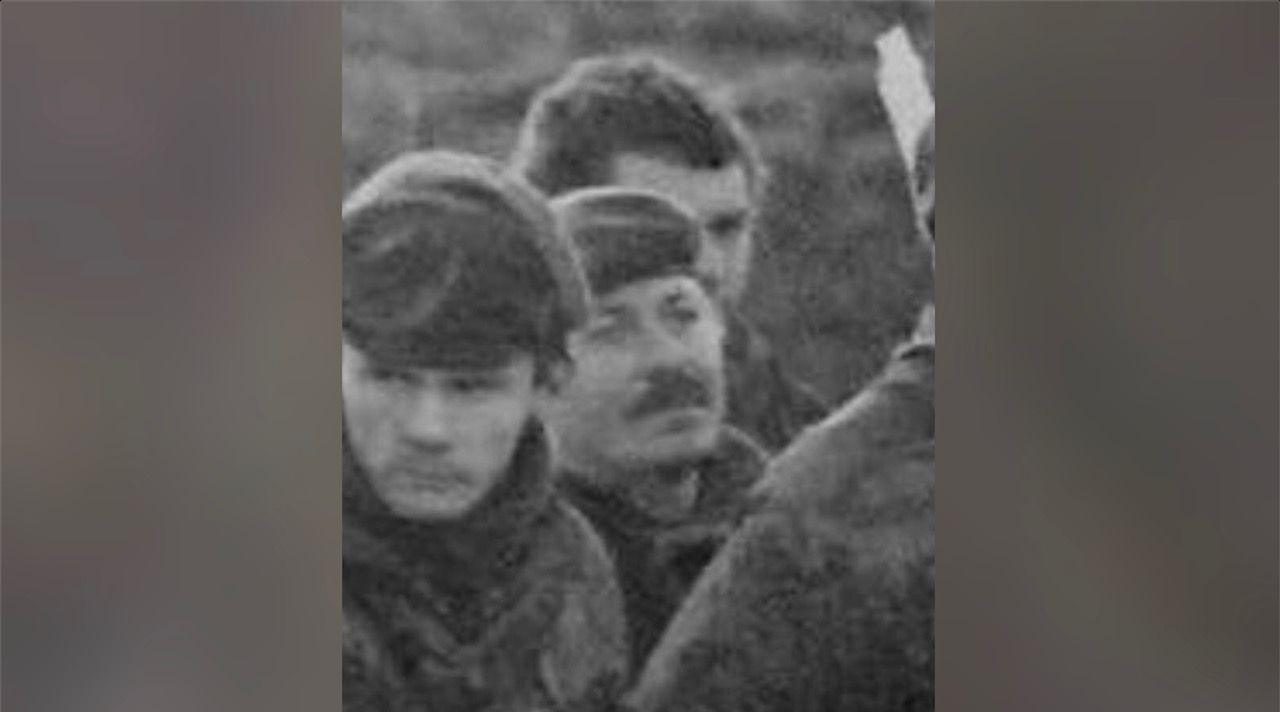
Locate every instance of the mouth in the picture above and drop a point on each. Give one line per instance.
(428, 480)
(692, 399)
(680, 419)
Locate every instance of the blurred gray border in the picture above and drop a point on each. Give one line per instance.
(171, 189)
(1107, 384)
(1107, 388)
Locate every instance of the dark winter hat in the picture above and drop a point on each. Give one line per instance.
(448, 261)
(624, 235)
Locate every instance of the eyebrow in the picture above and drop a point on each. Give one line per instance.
(614, 310)
(728, 218)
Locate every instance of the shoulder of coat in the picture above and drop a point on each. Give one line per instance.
(879, 425)
(587, 655)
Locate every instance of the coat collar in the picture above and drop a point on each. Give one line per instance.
(720, 477)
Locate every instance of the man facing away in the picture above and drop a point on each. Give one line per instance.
(823, 600)
(640, 423)
(468, 584)
(639, 122)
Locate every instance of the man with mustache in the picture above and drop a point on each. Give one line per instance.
(639, 122)
(468, 583)
(823, 599)
(640, 424)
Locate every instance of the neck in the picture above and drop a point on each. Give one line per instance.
(500, 518)
(665, 496)
(663, 492)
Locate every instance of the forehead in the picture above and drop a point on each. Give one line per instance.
(649, 293)
(706, 190)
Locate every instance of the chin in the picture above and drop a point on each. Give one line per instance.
(432, 509)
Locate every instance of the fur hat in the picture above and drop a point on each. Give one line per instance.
(624, 235)
(447, 260)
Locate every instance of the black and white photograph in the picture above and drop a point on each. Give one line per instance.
(637, 356)
(630, 403)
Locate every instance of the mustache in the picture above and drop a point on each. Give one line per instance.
(671, 388)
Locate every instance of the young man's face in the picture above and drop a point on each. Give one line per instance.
(721, 201)
(648, 381)
(433, 442)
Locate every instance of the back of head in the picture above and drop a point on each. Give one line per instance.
(446, 260)
(606, 106)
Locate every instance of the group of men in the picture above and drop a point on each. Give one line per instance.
(574, 477)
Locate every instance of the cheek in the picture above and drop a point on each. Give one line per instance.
(709, 347)
(371, 421)
(601, 389)
(489, 432)
(509, 421)
(600, 375)
(713, 257)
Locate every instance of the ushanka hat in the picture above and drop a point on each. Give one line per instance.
(447, 260)
(624, 235)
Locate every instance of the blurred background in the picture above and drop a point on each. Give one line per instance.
(1107, 403)
(838, 278)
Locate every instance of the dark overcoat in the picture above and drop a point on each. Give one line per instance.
(516, 607)
(658, 560)
(823, 600)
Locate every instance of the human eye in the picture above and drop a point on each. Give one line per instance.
(474, 383)
(389, 375)
(682, 313)
(685, 314)
(727, 226)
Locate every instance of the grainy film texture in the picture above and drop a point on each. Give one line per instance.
(638, 356)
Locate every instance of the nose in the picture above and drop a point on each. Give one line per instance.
(663, 347)
(427, 422)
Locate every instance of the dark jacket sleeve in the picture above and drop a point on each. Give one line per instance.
(715, 646)
(803, 614)
(584, 667)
